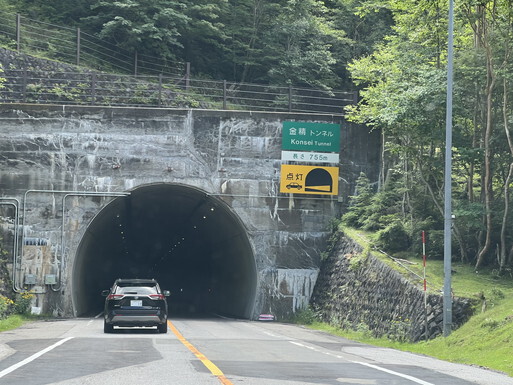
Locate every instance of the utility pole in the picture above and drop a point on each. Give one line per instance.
(447, 298)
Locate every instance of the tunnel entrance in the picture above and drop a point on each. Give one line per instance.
(191, 242)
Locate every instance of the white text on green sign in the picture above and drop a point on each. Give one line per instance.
(311, 136)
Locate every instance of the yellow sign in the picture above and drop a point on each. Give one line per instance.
(309, 179)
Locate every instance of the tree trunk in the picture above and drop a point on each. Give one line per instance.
(455, 229)
(503, 258)
(488, 191)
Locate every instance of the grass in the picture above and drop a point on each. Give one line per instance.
(13, 322)
(465, 281)
(486, 340)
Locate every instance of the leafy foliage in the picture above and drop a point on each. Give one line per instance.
(139, 25)
(282, 42)
(403, 94)
(6, 305)
(395, 53)
(23, 302)
(379, 212)
(359, 203)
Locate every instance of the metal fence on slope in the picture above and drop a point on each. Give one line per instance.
(73, 46)
(124, 78)
(93, 88)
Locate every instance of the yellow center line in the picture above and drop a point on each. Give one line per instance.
(208, 364)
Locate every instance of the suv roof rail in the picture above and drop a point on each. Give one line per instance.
(135, 280)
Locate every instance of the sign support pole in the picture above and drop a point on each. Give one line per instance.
(447, 298)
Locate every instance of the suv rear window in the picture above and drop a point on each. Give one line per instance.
(142, 290)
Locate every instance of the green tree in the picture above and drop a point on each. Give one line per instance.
(204, 36)
(403, 94)
(492, 25)
(365, 23)
(147, 26)
(284, 42)
(403, 86)
(301, 42)
(279, 42)
(68, 12)
(359, 203)
(247, 23)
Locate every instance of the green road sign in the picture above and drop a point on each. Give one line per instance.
(308, 136)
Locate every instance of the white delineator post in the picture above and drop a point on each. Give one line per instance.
(425, 282)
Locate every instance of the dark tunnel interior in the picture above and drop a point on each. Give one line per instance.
(191, 242)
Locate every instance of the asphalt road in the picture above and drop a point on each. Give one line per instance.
(213, 351)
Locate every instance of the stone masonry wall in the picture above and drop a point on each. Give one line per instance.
(355, 290)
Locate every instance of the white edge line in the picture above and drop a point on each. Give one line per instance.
(32, 357)
(411, 378)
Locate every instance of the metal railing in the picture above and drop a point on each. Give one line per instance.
(96, 88)
(73, 46)
(123, 78)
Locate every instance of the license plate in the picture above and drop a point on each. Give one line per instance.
(136, 302)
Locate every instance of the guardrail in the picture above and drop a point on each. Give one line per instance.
(96, 88)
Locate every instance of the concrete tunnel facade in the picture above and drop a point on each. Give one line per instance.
(113, 192)
(191, 242)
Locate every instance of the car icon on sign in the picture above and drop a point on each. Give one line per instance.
(294, 185)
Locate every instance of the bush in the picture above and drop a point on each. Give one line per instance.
(6, 305)
(490, 323)
(401, 330)
(23, 302)
(351, 219)
(393, 237)
(305, 316)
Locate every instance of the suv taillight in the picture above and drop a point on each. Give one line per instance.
(115, 296)
(157, 296)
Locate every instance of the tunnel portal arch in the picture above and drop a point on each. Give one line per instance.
(190, 241)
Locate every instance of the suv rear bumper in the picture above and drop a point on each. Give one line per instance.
(135, 320)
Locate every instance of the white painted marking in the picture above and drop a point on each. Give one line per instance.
(411, 378)
(32, 357)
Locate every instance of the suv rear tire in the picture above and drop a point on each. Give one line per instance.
(162, 328)
(107, 328)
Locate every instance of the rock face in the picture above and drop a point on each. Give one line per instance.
(358, 291)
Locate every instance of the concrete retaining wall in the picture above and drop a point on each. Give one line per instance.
(360, 291)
